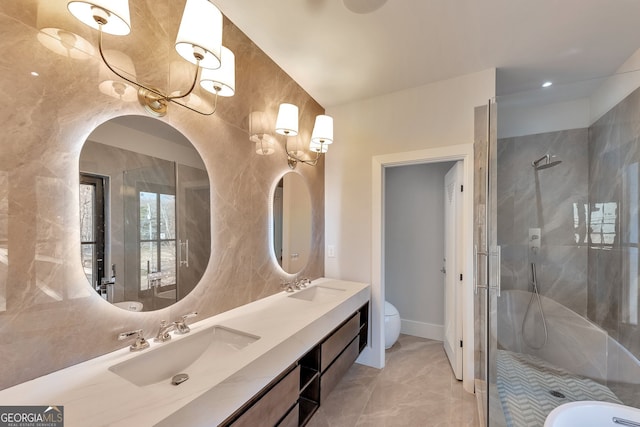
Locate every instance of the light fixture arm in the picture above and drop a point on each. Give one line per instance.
(154, 96)
(292, 159)
(215, 106)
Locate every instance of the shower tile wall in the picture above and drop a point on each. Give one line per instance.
(587, 207)
(613, 254)
(552, 199)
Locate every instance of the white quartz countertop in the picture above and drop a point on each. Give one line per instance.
(288, 327)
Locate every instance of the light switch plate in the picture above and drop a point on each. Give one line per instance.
(331, 251)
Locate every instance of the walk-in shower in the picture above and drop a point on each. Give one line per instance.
(547, 352)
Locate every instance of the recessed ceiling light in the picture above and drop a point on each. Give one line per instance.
(546, 84)
(35, 74)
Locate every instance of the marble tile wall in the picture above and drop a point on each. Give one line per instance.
(614, 152)
(588, 207)
(552, 199)
(49, 316)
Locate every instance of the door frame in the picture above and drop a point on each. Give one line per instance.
(374, 354)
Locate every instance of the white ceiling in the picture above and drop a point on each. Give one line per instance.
(339, 56)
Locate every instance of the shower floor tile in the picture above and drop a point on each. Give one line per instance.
(530, 388)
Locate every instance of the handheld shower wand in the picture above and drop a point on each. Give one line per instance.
(535, 294)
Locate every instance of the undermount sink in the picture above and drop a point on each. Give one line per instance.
(187, 354)
(317, 293)
(593, 414)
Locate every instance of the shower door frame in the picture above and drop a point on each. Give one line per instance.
(487, 260)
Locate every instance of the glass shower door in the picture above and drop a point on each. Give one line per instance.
(150, 242)
(487, 265)
(479, 242)
(493, 272)
(193, 227)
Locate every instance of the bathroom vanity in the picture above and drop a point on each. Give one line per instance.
(274, 360)
(294, 396)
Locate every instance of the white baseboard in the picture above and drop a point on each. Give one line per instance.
(422, 330)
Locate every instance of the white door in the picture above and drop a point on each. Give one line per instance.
(453, 268)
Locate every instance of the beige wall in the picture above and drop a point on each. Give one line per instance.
(53, 319)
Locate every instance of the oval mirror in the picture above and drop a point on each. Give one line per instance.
(144, 213)
(291, 213)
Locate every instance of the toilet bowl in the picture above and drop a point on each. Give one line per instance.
(391, 324)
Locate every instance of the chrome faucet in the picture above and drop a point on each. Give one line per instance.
(139, 344)
(163, 332)
(301, 283)
(181, 324)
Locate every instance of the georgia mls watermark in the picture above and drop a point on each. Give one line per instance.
(31, 416)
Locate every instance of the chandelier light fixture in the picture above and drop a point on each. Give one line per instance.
(321, 136)
(199, 41)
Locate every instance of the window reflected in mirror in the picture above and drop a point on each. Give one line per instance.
(92, 225)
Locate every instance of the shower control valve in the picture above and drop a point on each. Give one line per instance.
(534, 239)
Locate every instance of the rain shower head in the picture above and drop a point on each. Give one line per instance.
(547, 164)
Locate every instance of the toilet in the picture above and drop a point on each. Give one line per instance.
(391, 324)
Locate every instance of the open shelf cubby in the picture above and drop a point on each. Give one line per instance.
(364, 326)
(309, 385)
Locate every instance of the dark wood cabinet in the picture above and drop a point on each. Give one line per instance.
(330, 359)
(334, 373)
(272, 404)
(296, 394)
(338, 340)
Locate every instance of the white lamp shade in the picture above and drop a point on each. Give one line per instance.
(318, 147)
(200, 29)
(117, 14)
(287, 121)
(223, 80)
(323, 130)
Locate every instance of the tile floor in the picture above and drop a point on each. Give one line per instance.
(416, 388)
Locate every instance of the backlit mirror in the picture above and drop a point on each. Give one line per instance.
(144, 213)
(291, 213)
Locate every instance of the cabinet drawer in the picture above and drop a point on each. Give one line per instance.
(291, 420)
(334, 374)
(274, 404)
(338, 341)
